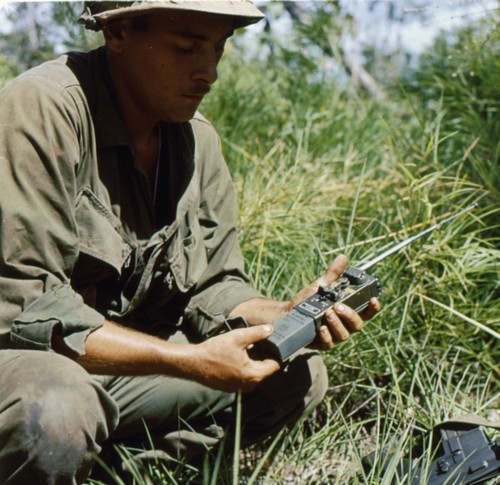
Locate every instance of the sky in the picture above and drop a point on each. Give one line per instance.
(416, 24)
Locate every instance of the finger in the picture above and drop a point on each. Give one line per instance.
(351, 319)
(337, 329)
(258, 369)
(248, 336)
(266, 367)
(325, 338)
(334, 270)
(372, 309)
(331, 274)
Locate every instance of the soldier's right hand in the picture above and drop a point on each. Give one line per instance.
(223, 361)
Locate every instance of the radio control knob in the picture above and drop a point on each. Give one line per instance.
(343, 282)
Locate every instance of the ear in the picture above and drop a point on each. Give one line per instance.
(116, 34)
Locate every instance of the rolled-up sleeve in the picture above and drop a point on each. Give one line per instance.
(40, 137)
(59, 311)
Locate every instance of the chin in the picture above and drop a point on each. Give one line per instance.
(179, 119)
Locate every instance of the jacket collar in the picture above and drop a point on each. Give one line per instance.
(110, 127)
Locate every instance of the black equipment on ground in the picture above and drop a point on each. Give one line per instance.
(463, 455)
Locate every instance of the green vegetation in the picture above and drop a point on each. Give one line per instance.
(320, 172)
(323, 169)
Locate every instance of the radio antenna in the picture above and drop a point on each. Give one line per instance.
(406, 242)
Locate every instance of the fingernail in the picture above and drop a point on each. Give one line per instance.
(268, 328)
(340, 308)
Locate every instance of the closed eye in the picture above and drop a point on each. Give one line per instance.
(185, 47)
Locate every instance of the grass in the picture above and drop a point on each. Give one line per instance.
(320, 172)
(432, 353)
(355, 176)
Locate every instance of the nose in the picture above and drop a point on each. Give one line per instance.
(206, 70)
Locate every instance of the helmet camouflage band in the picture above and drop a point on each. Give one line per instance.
(97, 14)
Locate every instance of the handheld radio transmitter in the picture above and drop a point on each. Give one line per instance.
(354, 288)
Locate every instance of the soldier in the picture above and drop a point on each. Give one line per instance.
(119, 258)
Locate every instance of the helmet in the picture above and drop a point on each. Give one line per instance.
(97, 14)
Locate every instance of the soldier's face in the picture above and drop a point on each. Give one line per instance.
(171, 65)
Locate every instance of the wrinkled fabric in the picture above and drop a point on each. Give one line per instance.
(83, 237)
(77, 213)
(53, 420)
(76, 316)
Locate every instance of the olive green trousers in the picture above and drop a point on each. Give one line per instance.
(55, 417)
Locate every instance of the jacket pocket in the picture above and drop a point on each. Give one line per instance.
(172, 260)
(100, 232)
(188, 261)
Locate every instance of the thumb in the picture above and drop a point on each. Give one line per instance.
(248, 336)
(333, 271)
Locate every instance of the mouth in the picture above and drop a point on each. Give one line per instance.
(198, 93)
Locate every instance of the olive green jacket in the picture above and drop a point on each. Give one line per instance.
(81, 238)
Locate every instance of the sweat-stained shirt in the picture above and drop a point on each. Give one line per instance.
(83, 237)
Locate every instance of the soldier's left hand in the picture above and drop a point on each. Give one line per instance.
(340, 321)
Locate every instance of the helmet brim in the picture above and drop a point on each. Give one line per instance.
(97, 14)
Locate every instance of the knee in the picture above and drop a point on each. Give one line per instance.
(318, 382)
(306, 374)
(56, 417)
(59, 399)
(285, 397)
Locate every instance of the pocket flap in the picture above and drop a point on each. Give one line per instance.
(100, 232)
